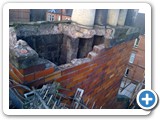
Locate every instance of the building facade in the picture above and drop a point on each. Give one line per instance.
(134, 75)
(58, 14)
(19, 15)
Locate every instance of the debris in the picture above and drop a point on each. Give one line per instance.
(80, 61)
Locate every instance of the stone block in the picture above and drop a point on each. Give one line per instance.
(12, 37)
(23, 56)
(85, 46)
(69, 49)
(92, 55)
(24, 30)
(117, 35)
(98, 48)
(76, 62)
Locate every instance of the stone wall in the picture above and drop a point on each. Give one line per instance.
(56, 42)
(62, 42)
(69, 49)
(47, 46)
(85, 46)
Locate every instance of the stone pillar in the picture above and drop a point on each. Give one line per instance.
(101, 17)
(85, 46)
(83, 17)
(108, 37)
(122, 17)
(131, 17)
(112, 17)
(69, 49)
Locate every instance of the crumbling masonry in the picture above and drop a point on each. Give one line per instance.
(90, 52)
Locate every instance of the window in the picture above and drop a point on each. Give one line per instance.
(52, 19)
(126, 72)
(132, 57)
(59, 18)
(136, 43)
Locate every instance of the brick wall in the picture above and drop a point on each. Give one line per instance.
(57, 17)
(101, 77)
(137, 69)
(65, 17)
(19, 15)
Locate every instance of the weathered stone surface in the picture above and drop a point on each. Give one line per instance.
(98, 48)
(78, 16)
(100, 30)
(47, 46)
(98, 40)
(12, 37)
(140, 22)
(132, 33)
(48, 29)
(35, 29)
(122, 17)
(75, 31)
(92, 55)
(80, 61)
(101, 17)
(22, 55)
(131, 17)
(46, 38)
(85, 46)
(112, 17)
(69, 49)
(116, 35)
(65, 66)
